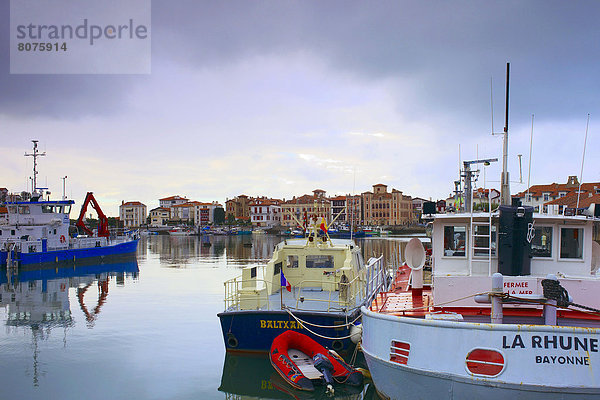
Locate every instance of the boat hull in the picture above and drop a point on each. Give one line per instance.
(70, 255)
(253, 331)
(418, 358)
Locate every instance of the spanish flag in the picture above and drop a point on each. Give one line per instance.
(323, 225)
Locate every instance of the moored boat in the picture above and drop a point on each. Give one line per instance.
(315, 285)
(37, 232)
(300, 361)
(512, 310)
(179, 231)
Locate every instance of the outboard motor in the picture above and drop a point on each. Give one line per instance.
(325, 366)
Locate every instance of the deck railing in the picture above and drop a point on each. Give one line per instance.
(377, 278)
(252, 292)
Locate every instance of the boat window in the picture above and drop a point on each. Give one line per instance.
(47, 209)
(58, 209)
(12, 209)
(23, 209)
(571, 242)
(541, 244)
(482, 240)
(319, 261)
(277, 268)
(292, 262)
(455, 240)
(67, 209)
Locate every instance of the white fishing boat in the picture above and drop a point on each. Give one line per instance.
(512, 310)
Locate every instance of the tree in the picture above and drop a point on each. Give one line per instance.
(230, 219)
(219, 216)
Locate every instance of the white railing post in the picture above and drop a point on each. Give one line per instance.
(497, 290)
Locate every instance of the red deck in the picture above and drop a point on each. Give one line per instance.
(402, 300)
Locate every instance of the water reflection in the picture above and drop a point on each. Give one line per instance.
(138, 335)
(184, 251)
(36, 299)
(253, 377)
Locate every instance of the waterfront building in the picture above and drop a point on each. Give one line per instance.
(238, 207)
(417, 207)
(159, 216)
(346, 209)
(302, 209)
(484, 196)
(184, 212)
(538, 196)
(265, 212)
(570, 202)
(384, 208)
(132, 214)
(169, 202)
(204, 213)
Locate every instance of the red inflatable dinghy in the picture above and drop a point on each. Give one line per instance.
(299, 360)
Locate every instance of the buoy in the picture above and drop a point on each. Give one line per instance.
(356, 333)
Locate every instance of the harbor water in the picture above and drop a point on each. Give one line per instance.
(143, 328)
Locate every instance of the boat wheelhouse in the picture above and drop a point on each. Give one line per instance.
(314, 285)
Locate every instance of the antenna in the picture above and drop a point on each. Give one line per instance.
(530, 147)
(520, 169)
(582, 160)
(35, 155)
(492, 103)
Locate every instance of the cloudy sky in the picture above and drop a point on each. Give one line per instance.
(279, 98)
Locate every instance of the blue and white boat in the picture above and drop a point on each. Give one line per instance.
(314, 285)
(37, 232)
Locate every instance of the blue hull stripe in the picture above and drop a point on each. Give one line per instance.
(254, 331)
(72, 254)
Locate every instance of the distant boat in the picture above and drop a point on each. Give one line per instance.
(178, 231)
(37, 232)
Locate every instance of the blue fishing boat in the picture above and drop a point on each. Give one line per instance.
(37, 231)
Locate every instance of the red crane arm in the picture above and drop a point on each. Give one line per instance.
(102, 219)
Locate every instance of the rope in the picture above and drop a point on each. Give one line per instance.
(322, 326)
(319, 335)
(554, 291)
(591, 311)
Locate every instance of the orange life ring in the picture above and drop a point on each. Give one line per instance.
(62, 238)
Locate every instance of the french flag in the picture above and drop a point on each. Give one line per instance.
(285, 283)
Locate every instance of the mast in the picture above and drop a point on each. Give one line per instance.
(505, 185)
(35, 155)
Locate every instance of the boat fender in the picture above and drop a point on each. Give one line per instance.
(62, 239)
(356, 333)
